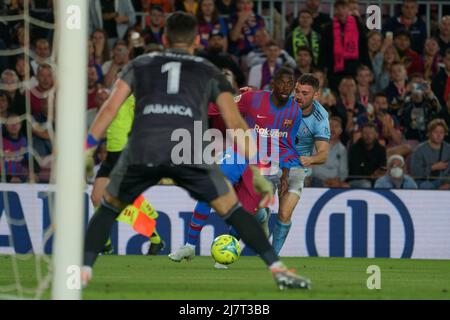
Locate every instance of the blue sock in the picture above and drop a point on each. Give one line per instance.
(198, 221)
(280, 233)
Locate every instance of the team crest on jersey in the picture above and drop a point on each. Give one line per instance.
(237, 98)
(287, 123)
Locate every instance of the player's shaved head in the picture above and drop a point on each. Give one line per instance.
(283, 84)
(181, 28)
(283, 71)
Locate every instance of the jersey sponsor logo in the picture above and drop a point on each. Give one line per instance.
(270, 133)
(287, 123)
(168, 109)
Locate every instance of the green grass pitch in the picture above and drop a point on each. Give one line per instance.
(143, 277)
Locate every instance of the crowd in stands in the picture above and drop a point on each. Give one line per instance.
(387, 91)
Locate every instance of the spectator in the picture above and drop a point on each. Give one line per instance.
(11, 82)
(42, 127)
(430, 161)
(320, 19)
(387, 125)
(431, 58)
(367, 159)
(382, 66)
(219, 57)
(347, 107)
(165, 5)
(395, 177)
(444, 114)
(154, 30)
(304, 35)
(42, 51)
(113, 16)
(325, 96)
(353, 7)
(374, 43)
(261, 75)
(441, 81)
(408, 20)
(190, 6)
(226, 7)
(334, 172)
(39, 95)
(100, 41)
(258, 55)
(420, 108)
(92, 87)
(244, 23)
(209, 20)
(398, 86)
(344, 45)
(444, 35)
(364, 91)
(304, 61)
(92, 61)
(135, 42)
(15, 156)
(411, 59)
(119, 59)
(5, 103)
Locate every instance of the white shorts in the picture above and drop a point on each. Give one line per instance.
(296, 180)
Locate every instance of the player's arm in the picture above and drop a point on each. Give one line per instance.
(109, 109)
(321, 155)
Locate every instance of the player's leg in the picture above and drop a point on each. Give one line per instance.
(253, 236)
(286, 208)
(283, 222)
(212, 187)
(233, 171)
(198, 221)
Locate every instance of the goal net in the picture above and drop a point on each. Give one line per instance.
(32, 159)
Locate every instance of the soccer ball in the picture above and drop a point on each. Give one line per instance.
(225, 249)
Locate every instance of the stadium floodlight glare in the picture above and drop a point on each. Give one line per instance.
(71, 123)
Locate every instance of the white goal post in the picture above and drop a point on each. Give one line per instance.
(72, 31)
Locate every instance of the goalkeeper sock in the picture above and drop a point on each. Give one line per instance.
(280, 233)
(198, 221)
(98, 231)
(251, 233)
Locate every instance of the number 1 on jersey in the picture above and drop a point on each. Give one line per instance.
(173, 78)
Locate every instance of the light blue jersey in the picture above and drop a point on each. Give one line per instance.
(314, 127)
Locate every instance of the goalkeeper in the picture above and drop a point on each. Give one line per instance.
(116, 139)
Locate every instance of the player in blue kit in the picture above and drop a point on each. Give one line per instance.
(314, 133)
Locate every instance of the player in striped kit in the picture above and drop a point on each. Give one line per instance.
(275, 117)
(314, 133)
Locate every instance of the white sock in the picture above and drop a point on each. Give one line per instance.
(189, 245)
(277, 265)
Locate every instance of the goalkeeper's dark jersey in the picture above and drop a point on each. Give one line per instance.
(172, 91)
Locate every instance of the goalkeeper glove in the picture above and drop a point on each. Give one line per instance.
(262, 186)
